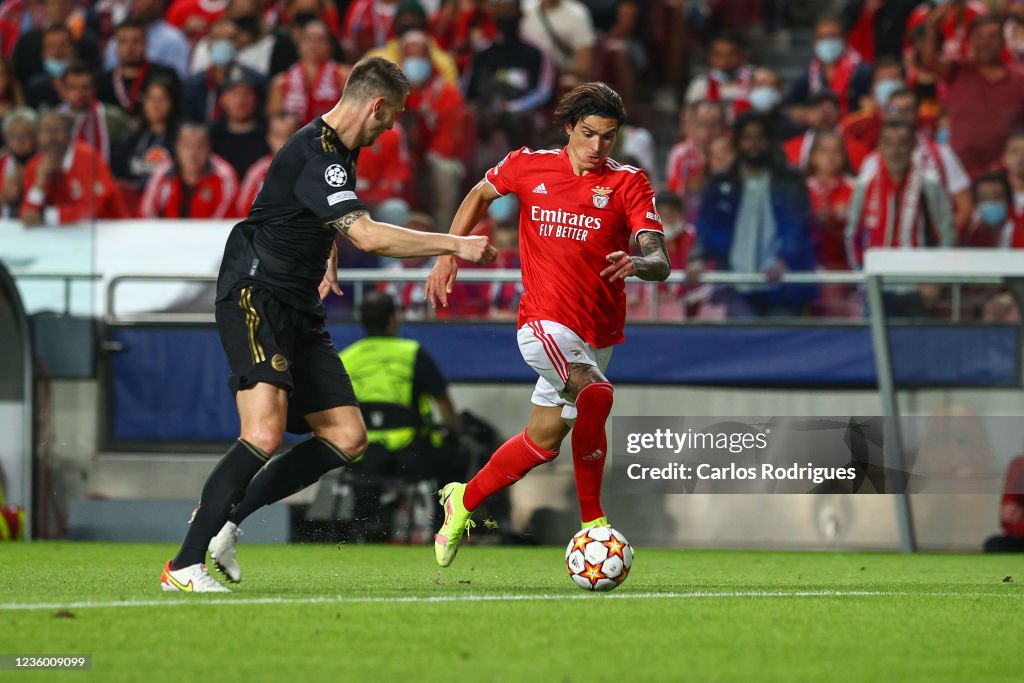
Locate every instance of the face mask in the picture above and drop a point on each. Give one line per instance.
(992, 213)
(222, 52)
(765, 98)
(417, 69)
(884, 89)
(829, 50)
(55, 67)
(942, 136)
(503, 209)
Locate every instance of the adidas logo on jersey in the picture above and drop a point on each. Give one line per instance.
(540, 189)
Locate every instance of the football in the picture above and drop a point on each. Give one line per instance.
(598, 558)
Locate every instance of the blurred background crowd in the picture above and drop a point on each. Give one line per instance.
(780, 135)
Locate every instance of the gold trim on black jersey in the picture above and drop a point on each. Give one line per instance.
(252, 322)
(328, 146)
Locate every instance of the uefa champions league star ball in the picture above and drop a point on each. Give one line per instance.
(598, 558)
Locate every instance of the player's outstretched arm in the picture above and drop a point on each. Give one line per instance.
(471, 211)
(652, 266)
(390, 240)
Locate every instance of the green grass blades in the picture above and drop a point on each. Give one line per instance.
(384, 613)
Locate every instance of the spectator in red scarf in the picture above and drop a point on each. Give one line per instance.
(985, 97)
(932, 155)
(67, 181)
(313, 84)
(104, 127)
(895, 203)
(836, 66)
(198, 184)
(123, 85)
(729, 76)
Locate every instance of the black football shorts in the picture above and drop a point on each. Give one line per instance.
(268, 341)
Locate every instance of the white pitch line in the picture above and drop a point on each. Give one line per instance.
(350, 600)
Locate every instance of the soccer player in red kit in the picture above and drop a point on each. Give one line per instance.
(578, 212)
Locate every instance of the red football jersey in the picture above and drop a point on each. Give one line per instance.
(567, 225)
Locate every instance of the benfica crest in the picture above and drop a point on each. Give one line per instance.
(601, 196)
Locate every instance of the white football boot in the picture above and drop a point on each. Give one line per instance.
(222, 551)
(191, 579)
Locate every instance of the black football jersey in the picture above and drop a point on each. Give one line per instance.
(284, 243)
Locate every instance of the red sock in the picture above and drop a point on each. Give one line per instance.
(590, 445)
(509, 464)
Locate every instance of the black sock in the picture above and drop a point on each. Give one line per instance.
(289, 473)
(224, 487)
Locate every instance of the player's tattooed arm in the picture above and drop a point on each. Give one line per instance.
(652, 266)
(345, 223)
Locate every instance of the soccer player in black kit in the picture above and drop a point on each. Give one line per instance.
(285, 372)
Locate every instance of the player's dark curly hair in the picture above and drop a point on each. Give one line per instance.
(589, 99)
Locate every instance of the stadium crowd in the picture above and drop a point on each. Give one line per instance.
(905, 127)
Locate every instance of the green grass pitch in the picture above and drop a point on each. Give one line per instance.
(382, 613)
